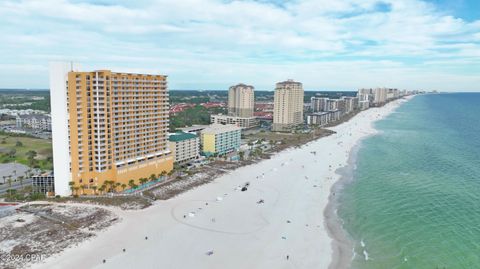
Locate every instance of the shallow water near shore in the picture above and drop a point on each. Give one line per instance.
(413, 201)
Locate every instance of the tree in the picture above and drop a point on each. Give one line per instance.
(31, 154)
(72, 186)
(12, 153)
(76, 189)
(20, 178)
(9, 181)
(241, 155)
(143, 180)
(163, 173)
(11, 192)
(124, 186)
(28, 173)
(101, 189)
(170, 173)
(131, 183)
(19, 144)
(94, 188)
(83, 187)
(153, 177)
(117, 184)
(108, 185)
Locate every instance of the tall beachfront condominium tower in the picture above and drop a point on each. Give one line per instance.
(107, 126)
(287, 106)
(241, 101)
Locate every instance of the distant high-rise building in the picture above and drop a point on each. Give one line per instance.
(288, 105)
(380, 95)
(241, 101)
(351, 103)
(318, 104)
(107, 126)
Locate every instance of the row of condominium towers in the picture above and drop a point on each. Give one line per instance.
(114, 126)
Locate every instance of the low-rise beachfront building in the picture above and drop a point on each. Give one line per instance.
(318, 118)
(362, 105)
(185, 147)
(44, 183)
(218, 139)
(242, 122)
(323, 118)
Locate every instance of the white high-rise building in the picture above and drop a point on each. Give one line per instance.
(60, 134)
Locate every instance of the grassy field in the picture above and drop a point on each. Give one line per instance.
(42, 147)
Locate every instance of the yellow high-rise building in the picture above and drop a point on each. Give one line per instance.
(117, 126)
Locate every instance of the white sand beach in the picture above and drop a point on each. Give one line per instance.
(219, 226)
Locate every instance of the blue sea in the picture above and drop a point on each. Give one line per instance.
(415, 198)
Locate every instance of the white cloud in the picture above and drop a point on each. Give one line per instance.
(213, 43)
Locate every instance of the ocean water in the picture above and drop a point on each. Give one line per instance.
(415, 198)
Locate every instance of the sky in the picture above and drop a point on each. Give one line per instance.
(212, 44)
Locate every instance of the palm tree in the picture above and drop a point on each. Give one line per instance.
(4, 179)
(9, 181)
(131, 183)
(153, 177)
(83, 187)
(101, 189)
(124, 186)
(72, 186)
(143, 180)
(76, 189)
(164, 173)
(94, 188)
(117, 184)
(109, 185)
(20, 178)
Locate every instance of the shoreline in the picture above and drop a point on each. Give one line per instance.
(295, 184)
(342, 245)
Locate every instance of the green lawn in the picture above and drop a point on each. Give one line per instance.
(42, 147)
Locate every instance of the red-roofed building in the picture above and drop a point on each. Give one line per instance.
(213, 104)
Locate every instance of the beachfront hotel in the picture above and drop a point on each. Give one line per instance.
(323, 118)
(107, 126)
(288, 106)
(241, 101)
(218, 139)
(185, 147)
(240, 108)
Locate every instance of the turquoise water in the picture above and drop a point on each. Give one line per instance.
(415, 198)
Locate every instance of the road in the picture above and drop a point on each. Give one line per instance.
(15, 185)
